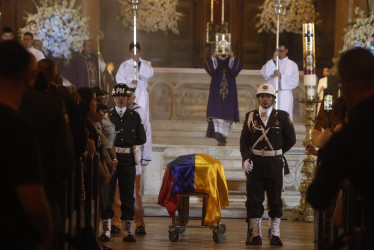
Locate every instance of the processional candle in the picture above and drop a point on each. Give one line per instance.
(310, 77)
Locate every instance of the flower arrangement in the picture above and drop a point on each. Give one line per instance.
(360, 32)
(297, 13)
(59, 26)
(152, 15)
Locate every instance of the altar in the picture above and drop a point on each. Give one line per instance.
(178, 101)
(182, 94)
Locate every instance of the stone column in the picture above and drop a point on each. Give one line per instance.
(343, 11)
(91, 9)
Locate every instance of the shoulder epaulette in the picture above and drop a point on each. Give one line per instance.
(250, 118)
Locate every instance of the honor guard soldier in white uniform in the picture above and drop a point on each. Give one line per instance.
(129, 133)
(267, 134)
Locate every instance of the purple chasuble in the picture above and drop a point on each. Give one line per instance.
(223, 96)
(82, 71)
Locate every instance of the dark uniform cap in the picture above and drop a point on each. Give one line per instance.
(99, 91)
(132, 89)
(121, 89)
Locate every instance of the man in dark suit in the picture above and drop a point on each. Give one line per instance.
(25, 214)
(267, 134)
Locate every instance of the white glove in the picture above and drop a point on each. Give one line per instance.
(144, 163)
(248, 166)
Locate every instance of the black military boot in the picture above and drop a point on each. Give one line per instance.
(274, 232)
(220, 138)
(126, 229)
(249, 233)
(115, 230)
(105, 236)
(140, 230)
(254, 232)
(275, 241)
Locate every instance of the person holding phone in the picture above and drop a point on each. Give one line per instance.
(335, 118)
(349, 154)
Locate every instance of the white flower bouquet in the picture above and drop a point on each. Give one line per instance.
(59, 26)
(297, 13)
(152, 15)
(360, 32)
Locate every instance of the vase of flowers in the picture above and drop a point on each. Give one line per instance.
(297, 13)
(360, 31)
(152, 15)
(60, 26)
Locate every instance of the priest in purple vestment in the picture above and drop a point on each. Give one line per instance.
(83, 69)
(222, 108)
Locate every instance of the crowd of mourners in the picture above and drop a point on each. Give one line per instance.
(342, 139)
(68, 159)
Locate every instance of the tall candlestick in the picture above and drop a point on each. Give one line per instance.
(310, 77)
(211, 11)
(223, 12)
(304, 211)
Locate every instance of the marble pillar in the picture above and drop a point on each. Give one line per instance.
(91, 9)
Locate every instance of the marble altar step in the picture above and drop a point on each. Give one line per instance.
(187, 132)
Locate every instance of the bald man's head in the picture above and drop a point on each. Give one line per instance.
(48, 67)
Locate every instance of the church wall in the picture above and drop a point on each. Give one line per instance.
(189, 50)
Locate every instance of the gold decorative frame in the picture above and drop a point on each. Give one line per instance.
(223, 43)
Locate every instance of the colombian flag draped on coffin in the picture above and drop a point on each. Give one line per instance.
(195, 173)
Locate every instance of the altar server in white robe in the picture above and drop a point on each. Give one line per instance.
(288, 74)
(125, 74)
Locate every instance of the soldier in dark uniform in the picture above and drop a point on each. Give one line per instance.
(129, 133)
(267, 134)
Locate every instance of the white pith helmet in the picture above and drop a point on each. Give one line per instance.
(266, 88)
